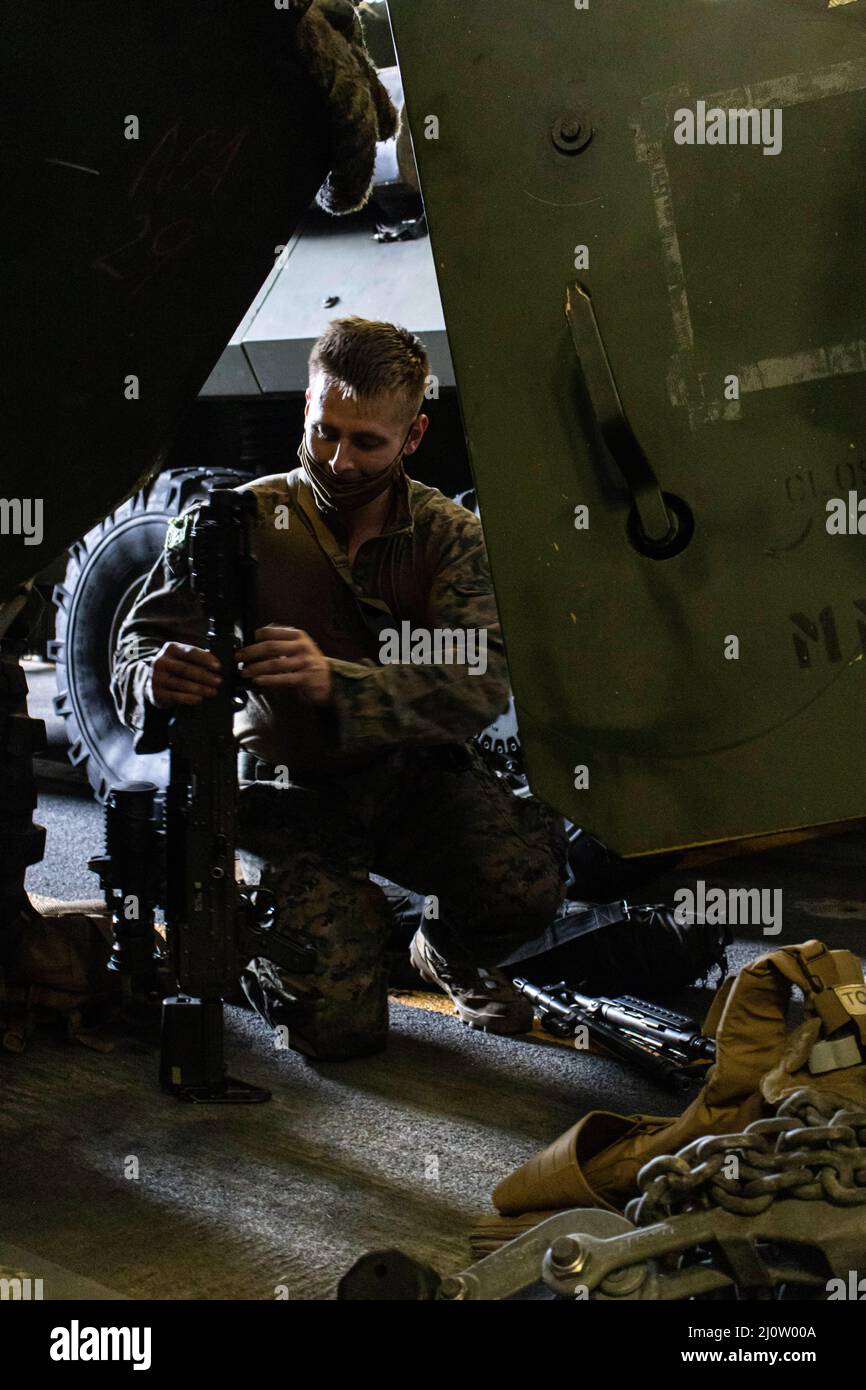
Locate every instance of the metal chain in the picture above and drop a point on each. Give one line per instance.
(810, 1149)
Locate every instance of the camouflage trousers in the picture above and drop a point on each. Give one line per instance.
(437, 821)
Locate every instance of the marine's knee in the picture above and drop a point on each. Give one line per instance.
(331, 1016)
(541, 902)
(531, 895)
(348, 1019)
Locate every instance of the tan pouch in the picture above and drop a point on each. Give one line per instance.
(60, 969)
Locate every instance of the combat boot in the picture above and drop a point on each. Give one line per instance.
(484, 999)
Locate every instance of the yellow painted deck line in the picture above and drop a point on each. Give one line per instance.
(438, 1004)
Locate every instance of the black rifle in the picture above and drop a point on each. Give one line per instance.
(666, 1046)
(214, 925)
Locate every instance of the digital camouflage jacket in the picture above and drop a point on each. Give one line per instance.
(428, 568)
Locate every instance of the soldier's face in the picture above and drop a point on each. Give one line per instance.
(357, 439)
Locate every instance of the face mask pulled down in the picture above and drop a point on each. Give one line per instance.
(334, 495)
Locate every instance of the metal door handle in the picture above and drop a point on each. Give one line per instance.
(658, 524)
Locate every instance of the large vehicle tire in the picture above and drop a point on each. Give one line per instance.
(105, 572)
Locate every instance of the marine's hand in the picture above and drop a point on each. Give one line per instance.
(183, 675)
(287, 657)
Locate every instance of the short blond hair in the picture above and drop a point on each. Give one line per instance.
(365, 358)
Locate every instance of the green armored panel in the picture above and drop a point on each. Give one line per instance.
(654, 467)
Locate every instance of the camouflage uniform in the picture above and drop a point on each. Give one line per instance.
(434, 820)
(383, 779)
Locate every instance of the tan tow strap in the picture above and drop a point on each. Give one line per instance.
(758, 1062)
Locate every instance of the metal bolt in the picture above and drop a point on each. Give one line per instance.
(571, 132)
(567, 1255)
